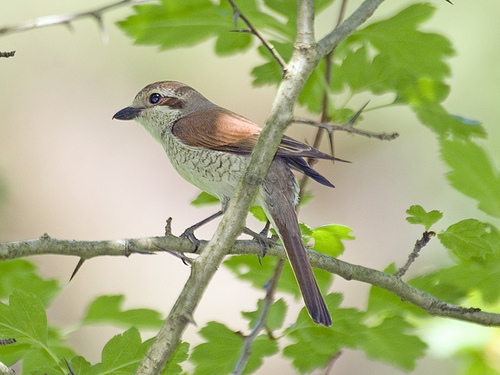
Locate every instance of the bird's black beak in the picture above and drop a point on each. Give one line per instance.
(127, 113)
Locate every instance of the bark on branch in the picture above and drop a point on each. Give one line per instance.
(150, 245)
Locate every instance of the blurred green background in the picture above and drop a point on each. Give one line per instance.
(70, 171)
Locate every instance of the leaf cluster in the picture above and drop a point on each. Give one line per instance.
(43, 348)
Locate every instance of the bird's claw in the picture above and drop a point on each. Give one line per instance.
(189, 234)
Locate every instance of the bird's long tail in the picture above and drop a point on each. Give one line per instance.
(279, 191)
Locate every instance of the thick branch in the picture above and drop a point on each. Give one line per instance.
(305, 24)
(348, 271)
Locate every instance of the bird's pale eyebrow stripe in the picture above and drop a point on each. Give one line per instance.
(172, 102)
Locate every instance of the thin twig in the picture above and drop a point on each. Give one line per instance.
(348, 128)
(261, 322)
(419, 245)
(66, 19)
(238, 14)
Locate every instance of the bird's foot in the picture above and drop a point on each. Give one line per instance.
(189, 234)
(262, 239)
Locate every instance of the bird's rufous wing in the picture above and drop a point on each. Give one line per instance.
(227, 131)
(217, 129)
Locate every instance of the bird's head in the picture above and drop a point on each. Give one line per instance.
(158, 105)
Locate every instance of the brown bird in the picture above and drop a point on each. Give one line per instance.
(209, 146)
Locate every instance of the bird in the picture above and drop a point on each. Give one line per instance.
(209, 146)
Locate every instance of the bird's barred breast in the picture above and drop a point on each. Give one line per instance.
(215, 172)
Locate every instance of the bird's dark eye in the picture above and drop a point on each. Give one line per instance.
(154, 98)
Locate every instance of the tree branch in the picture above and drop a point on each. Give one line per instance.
(348, 271)
(66, 19)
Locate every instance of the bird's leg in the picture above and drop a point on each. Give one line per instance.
(189, 232)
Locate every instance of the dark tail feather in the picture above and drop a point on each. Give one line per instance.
(279, 193)
(301, 165)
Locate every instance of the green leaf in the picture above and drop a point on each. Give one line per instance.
(413, 70)
(328, 238)
(204, 199)
(20, 274)
(390, 342)
(10, 354)
(271, 72)
(80, 365)
(471, 238)
(275, 317)
(230, 43)
(218, 355)
(222, 349)
(41, 361)
(473, 173)
(122, 354)
(391, 38)
(120, 349)
(24, 319)
(108, 309)
(419, 216)
(258, 213)
(250, 268)
(443, 123)
(454, 283)
(357, 70)
(44, 370)
(439, 287)
(315, 345)
(171, 24)
(311, 96)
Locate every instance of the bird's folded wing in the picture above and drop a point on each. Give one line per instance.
(227, 131)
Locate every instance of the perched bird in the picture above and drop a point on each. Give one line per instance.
(209, 146)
